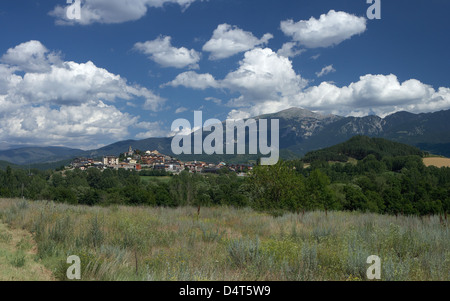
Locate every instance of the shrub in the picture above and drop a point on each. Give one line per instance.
(244, 251)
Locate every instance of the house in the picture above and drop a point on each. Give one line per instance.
(159, 166)
(82, 163)
(110, 161)
(240, 167)
(147, 160)
(126, 166)
(175, 167)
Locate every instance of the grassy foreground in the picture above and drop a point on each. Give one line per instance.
(18, 257)
(137, 243)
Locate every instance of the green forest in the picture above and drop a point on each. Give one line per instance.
(386, 178)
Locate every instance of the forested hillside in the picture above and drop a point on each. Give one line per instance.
(360, 147)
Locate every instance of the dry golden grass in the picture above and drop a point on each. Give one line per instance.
(438, 162)
(226, 244)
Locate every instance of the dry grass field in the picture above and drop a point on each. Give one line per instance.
(438, 162)
(143, 243)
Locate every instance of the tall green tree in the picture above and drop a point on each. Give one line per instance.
(319, 192)
(277, 186)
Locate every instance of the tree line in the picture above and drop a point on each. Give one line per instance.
(392, 185)
(383, 184)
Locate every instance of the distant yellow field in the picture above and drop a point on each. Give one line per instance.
(438, 162)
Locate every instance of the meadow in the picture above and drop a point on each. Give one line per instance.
(437, 161)
(223, 243)
(18, 257)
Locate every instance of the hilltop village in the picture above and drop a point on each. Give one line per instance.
(154, 160)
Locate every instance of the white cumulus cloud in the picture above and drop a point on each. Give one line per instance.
(31, 56)
(112, 11)
(162, 52)
(84, 126)
(8, 79)
(54, 102)
(267, 83)
(229, 40)
(330, 29)
(263, 74)
(191, 79)
(379, 94)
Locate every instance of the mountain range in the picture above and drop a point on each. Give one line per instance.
(301, 131)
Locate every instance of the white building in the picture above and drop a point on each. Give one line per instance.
(110, 160)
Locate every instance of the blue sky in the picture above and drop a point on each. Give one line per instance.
(128, 69)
